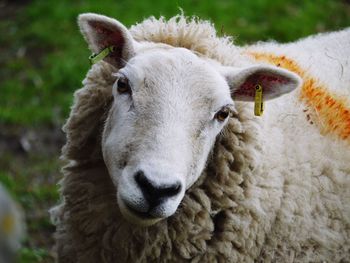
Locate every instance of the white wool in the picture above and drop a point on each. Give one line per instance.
(180, 31)
(325, 56)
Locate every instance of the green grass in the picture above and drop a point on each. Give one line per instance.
(31, 174)
(43, 59)
(35, 189)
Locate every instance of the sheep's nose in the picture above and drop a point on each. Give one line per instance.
(155, 193)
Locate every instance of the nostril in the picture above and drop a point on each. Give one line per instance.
(143, 182)
(154, 192)
(140, 177)
(171, 190)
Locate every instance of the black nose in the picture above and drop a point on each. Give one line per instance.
(155, 193)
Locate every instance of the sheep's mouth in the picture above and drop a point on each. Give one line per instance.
(136, 217)
(144, 215)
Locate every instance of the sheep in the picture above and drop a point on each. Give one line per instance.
(12, 227)
(166, 161)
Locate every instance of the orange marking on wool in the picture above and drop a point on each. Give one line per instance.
(332, 112)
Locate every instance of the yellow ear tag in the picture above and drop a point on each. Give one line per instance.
(94, 58)
(259, 103)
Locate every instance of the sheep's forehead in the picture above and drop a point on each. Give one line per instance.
(178, 74)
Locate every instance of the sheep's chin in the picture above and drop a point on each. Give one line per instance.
(133, 218)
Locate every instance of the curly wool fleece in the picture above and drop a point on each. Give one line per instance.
(268, 193)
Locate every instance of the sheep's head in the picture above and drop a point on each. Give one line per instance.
(169, 106)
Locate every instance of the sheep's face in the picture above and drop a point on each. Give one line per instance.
(169, 106)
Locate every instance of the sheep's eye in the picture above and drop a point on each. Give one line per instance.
(222, 114)
(123, 85)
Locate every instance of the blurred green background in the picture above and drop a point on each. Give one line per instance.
(43, 59)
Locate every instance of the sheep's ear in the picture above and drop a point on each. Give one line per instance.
(102, 32)
(274, 81)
